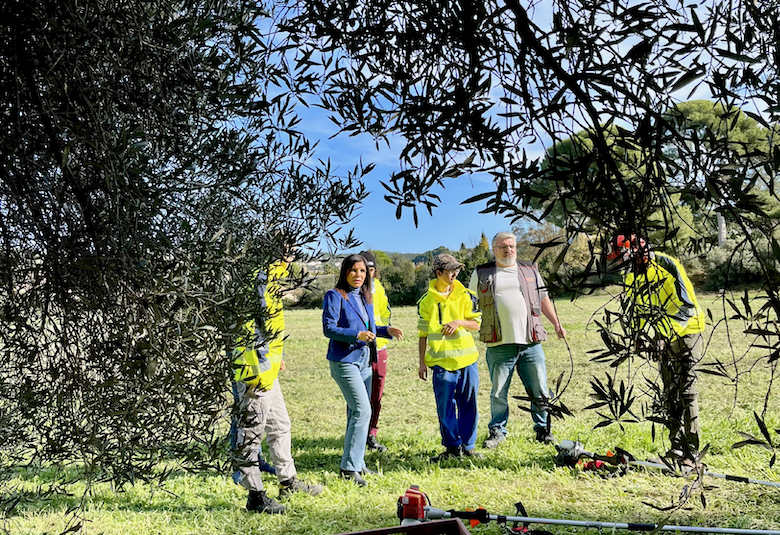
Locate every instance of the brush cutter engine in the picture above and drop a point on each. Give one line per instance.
(411, 506)
(569, 453)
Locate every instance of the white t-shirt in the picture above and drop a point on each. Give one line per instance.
(510, 305)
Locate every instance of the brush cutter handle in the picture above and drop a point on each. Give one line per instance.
(686, 471)
(741, 479)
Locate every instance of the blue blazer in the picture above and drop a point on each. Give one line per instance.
(341, 323)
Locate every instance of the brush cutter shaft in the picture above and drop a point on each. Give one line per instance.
(727, 477)
(741, 479)
(433, 513)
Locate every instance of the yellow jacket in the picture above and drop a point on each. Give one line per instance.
(381, 310)
(258, 357)
(664, 298)
(455, 351)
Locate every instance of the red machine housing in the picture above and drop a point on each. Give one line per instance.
(412, 504)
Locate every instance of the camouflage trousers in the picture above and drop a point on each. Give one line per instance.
(256, 415)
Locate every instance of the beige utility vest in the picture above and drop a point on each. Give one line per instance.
(490, 329)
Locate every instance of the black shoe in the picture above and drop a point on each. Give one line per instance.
(449, 453)
(354, 476)
(367, 472)
(260, 502)
(544, 436)
(293, 485)
(373, 444)
(472, 454)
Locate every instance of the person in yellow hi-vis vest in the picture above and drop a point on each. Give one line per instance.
(259, 408)
(667, 312)
(448, 312)
(382, 316)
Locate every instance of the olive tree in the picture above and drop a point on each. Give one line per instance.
(150, 162)
(494, 86)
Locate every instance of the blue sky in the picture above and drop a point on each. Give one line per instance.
(451, 224)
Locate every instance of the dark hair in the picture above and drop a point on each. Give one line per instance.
(343, 286)
(368, 255)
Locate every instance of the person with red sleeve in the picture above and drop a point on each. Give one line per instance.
(382, 317)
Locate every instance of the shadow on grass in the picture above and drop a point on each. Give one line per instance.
(317, 454)
(316, 458)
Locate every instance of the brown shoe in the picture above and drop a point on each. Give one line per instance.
(293, 485)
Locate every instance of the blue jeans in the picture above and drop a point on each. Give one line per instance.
(354, 380)
(456, 405)
(529, 362)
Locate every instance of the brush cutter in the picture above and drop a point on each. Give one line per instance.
(570, 452)
(414, 507)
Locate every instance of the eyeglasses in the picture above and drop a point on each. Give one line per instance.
(455, 272)
(506, 247)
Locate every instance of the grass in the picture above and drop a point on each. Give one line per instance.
(519, 470)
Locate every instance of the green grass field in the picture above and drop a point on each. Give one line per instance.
(519, 470)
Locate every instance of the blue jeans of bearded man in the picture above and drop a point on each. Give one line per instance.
(528, 359)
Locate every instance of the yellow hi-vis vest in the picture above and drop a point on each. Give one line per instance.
(664, 298)
(258, 358)
(457, 350)
(381, 310)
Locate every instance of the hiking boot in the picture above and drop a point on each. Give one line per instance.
(544, 436)
(260, 502)
(496, 437)
(472, 454)
(373, 444)
(449, 453)
(354, 476)
(367, 472)
(292, 485)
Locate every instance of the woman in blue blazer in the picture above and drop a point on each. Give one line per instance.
(348, 321)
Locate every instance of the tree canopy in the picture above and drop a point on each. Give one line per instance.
(467, 86)
(150, 161)
(490, 87)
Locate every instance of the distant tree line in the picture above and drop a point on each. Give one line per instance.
(405, 277)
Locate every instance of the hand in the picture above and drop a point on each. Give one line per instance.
(423, 373)
(451, 327)
(395, 332)
(560, 331)
(282, 366)
(366, 336)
